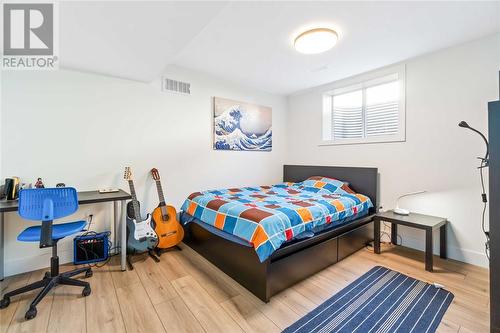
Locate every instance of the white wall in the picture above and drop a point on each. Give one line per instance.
(82, 129)
(441, 89)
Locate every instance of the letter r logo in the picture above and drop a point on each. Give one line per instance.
(28, 29)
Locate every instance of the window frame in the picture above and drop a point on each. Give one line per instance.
(364, 81)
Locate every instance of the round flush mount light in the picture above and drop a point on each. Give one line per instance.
(316, 40)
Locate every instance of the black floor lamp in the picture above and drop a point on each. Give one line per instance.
(483, 164)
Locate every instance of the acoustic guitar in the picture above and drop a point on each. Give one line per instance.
(168, 229)
(141, 236)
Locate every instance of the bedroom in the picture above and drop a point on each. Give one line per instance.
(168, 85)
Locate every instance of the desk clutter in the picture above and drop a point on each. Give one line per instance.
(10, 189)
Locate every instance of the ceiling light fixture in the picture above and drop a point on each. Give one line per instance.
(316, 40)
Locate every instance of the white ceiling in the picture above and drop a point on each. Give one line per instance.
(251, 42)
(129, 39)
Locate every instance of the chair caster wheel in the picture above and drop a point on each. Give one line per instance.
(88, 274)
(46, 275)
(86, 291)
(31, 313)
(4, 302)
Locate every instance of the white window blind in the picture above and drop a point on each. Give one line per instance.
(382, 109)
(368, 111)
(348, 115)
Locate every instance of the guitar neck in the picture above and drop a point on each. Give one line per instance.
(135, 202)
(160, 193)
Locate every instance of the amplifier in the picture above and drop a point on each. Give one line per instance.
(90, 248)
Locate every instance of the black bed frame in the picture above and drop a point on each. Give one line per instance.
(299, 259)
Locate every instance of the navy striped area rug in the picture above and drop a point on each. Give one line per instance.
(381, 300)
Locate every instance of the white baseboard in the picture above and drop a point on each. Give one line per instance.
(32, 263)
(453, 252)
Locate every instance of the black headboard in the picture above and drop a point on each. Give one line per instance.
(361, 180)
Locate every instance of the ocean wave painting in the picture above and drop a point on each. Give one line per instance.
(242, 126)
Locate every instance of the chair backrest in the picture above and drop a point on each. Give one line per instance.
(47, 204)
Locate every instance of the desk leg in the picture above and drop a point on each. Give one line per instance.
(394, 234)
(442, 242)
(376, 236)
(1, 246)
(428, 250)
(116, 218)
(123, 242)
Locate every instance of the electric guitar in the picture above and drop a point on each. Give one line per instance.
(141, 236)
(168, 229)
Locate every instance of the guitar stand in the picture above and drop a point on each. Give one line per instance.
(152, 255)
(159, 251)
(129, 262)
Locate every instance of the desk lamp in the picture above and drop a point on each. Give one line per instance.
(402, 211)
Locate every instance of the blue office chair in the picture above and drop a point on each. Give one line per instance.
(46, 205)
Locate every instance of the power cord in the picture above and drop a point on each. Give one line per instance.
(91, 217)
(386, 233)
(484, 198)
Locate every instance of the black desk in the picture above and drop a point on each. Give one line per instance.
(84, 198)
(414, 220)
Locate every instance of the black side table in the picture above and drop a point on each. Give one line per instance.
(414, 220)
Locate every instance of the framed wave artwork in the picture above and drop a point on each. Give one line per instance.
(242, 126)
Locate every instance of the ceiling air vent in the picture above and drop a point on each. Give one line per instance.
(176, 86)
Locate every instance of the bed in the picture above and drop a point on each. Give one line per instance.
(323, 235)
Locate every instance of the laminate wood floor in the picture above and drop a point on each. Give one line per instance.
(185, 293)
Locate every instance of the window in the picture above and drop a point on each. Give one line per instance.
(366, 109)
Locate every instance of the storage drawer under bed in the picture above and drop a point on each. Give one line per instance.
(288, 270)
(354, 240)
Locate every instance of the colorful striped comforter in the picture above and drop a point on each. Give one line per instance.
(268, 216)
